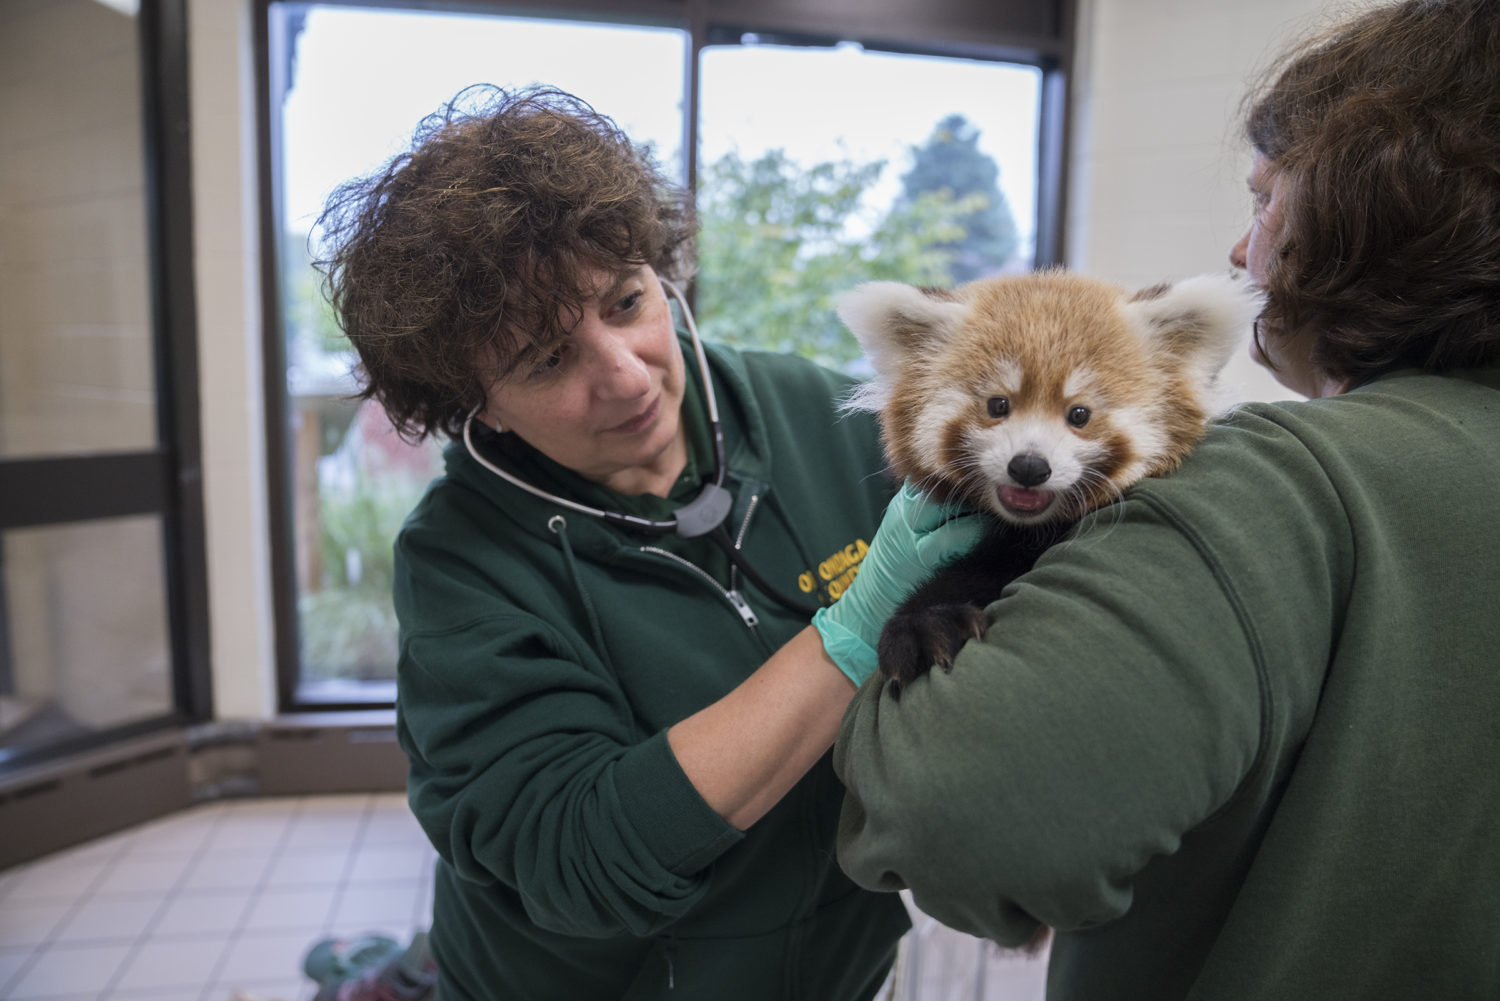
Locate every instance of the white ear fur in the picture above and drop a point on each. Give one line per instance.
(881, 315)
(1202, 319)
(877, 312)
(884, 316)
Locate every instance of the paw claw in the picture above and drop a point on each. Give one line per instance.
(914, 641)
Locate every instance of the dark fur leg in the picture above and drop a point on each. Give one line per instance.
(948, 610)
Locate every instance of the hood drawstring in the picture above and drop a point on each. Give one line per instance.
(558, 525)
(669, 952)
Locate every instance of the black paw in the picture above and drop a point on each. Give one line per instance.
(913, 642)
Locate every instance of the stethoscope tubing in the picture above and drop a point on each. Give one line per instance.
(713, 492)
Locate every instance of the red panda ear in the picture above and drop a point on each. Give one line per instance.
(1197, 322)
(895, 323)
(891, 320)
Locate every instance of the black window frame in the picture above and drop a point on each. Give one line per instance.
(1037, 33)
(167, 479)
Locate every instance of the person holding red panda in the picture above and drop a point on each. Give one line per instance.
(1233, 739)
(617, 716)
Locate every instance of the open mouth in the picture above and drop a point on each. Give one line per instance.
(1024, 501)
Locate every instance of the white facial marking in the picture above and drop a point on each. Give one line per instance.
(1007, 375)
(1050, 438)
(1146, 435)
(1079, 383)
(944, 406)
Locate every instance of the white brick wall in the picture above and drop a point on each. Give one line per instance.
(1157, 183)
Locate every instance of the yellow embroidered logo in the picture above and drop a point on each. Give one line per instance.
(831, 577)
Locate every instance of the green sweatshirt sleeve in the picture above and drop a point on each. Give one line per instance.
(525, 770)
(1118, 699)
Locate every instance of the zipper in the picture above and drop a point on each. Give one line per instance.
(739, 541)
(731, 595)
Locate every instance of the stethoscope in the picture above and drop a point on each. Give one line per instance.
(704, 515)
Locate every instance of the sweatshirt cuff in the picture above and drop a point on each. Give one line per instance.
(667, 812)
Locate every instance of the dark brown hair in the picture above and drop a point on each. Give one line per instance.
(1385, 136)
(465, 255)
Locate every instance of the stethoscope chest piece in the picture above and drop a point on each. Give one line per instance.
(703, 513)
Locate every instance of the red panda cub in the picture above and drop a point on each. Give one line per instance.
(1036, 398)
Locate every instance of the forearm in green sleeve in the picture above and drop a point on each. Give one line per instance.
(598, 833)
(1064, 750)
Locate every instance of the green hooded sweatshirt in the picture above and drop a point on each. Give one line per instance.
(1238, 739)
(544, 652)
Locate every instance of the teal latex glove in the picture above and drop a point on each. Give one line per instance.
(915, 538)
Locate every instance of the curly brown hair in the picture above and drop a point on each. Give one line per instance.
(1385, 134)
(467, 254)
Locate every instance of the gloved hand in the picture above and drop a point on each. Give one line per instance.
(915, 538)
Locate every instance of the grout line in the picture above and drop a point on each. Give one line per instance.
(345, 879)
(41, 948)
(167, 898)
(252, 894)
(295, 810)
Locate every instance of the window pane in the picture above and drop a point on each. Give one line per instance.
(823, 167)
(75, 313)
(360, 81)
(87, 645)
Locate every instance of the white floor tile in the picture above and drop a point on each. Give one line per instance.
(109, 919)
(69, 969)
(250, 833)
(385, 864)
(133, 875)
(11, 961)
(395, 830)
(212, 872)
(157, 994)
(323, 830)
(30, 922)
(285, 910)
(289, 990)
(56, 879)
(264, 958)
(223, 896)
(386, 907)
(172, 963)
(178, 834)
(316, 867)
(214, 912)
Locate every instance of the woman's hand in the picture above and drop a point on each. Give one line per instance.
(743, 752)
(915, 538)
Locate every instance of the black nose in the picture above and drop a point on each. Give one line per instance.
(1029, 469)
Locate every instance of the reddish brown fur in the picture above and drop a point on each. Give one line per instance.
(1048, 325)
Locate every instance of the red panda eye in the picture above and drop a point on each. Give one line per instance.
(1079, 416)
(998, 406)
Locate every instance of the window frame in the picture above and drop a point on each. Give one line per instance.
(167, 479)
(1000, 30)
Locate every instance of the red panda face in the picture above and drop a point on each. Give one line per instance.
(1042, 397)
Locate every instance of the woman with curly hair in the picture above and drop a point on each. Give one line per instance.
(617, 715)
(1234, 741)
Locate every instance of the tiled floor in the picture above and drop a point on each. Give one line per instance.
(220, 902)
(218, 899)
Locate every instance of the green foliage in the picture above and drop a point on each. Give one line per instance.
(951, 161)
(779, 242)
(306, 310)
(349, 625)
